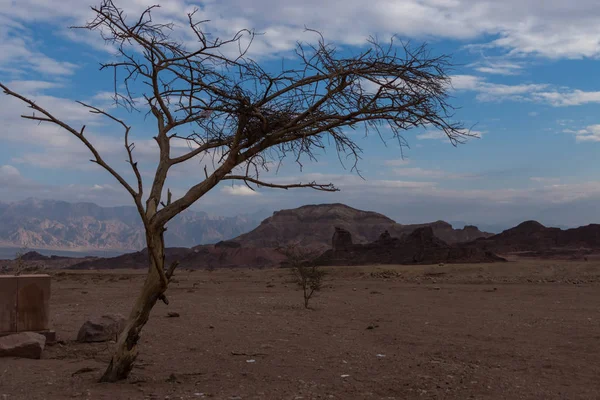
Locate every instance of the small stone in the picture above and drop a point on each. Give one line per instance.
(173, 314)
(22, 345)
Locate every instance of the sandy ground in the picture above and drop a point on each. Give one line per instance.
(525, 330)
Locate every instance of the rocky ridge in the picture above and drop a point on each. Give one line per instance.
(421, 246)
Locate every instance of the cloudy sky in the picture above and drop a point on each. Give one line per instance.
(525, 78)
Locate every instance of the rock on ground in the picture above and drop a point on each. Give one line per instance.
(101, 329)
(22, 345)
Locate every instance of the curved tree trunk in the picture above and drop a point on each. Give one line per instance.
(155, 285)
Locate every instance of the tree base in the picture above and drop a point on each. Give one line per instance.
(119, 368)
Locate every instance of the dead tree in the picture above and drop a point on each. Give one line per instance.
(245, 117)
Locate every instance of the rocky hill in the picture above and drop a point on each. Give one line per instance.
(313, 225)
(35, 223)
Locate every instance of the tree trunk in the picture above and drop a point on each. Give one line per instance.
(127, 345)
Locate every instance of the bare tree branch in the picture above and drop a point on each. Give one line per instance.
(329, 187)
(79, 135)
(128, 146)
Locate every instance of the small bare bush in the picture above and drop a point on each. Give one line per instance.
(305, 272)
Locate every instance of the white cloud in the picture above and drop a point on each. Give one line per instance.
(490, 92)
(544, 180)
(9, 172)
(564, 122)
(11, 180)
(498, 67)
(567, 98)
(466, 82)
(397, 163)
(398, 184)
(544, 28)
(105, 188)
(487, 91)
(27, 87)
(440, 135)
(535, 92)
(432, 135)
(19, 53)
(422, 173)
(590, 133)
(49, 146)
(239, 190)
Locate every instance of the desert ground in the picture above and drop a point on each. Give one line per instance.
(518, 330)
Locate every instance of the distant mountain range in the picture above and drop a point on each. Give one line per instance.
(375, 237)
(50, 224)
(35, 223)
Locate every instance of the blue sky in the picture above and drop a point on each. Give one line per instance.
(525, 78)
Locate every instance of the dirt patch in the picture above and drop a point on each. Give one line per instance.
(526, 330)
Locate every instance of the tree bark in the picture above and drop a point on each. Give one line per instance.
(126, 350)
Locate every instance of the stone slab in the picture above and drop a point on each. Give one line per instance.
(8, 304)
(33, 303)
(22, 345)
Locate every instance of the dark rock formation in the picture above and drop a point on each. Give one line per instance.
(422, 246)
(531, 236)
(385, 237)
(342, 239)
(230, 244)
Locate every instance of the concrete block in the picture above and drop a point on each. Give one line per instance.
(33, 303)
(8, 304)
